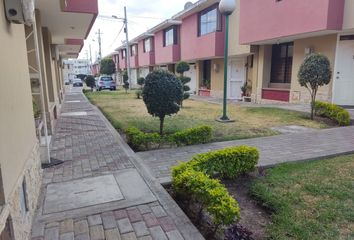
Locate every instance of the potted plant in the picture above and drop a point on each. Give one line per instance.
(246, 90)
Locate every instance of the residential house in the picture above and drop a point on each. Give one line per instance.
(31, 65)
(290, 30)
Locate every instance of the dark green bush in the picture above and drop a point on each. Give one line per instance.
(201, 134)
(139, 140)
(191, 179)
(333, 112)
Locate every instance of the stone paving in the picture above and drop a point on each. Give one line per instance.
(101, 191)
(273, 150)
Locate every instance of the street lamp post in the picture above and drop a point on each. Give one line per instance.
(226, 8)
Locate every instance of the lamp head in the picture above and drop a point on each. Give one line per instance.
(227, 7)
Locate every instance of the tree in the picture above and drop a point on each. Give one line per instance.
(90, 81)
(162, 94)
(181, 68)
(314, 72)
(125, 81)
(107, 66)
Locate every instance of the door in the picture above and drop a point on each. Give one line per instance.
(236, 78)
(344, 74)
(192, 73)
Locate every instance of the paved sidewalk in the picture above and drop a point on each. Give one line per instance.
(273, 150)
(101, 191)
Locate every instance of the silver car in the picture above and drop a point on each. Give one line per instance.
(105, 82)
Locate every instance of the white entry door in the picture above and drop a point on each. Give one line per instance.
(344, 74)
(236, 78)
(192, 73)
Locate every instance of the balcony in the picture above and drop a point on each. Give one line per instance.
(166, 54)
(145, 58)
(195, 47)
(269, 21)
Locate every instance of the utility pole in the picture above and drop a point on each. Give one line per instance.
(99, 44)
(90, 59)
(90, 54)
(127, 46)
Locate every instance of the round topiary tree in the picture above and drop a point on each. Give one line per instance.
(314, 72)
(90, 81)
(141, 82)
(181, 68)
(162, 94)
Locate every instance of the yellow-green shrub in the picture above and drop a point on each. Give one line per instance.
(333, 112)
(139, 140)
(192, 179)
(210, 193)
(197, 135)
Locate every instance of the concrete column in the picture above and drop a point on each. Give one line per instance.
(44, 72)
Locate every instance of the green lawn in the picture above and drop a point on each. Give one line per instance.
(313, 200)
(124, 111)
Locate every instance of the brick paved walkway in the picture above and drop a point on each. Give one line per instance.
(273, 150)
(90, 147)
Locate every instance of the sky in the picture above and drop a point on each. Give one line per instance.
(142, 15)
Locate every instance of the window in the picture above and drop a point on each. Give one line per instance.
(148, 45)
(124, 53)
(170, 36)
(282, 61)
(133, 50)
(209, 21)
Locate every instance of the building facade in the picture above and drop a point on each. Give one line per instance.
(292, 29)
(74, 67)
(266, 59)
(31, 58)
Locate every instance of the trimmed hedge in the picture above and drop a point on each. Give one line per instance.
(210, 193)
(192, 179)
(197, 135)
(139, 140)
(226, 163)
(333, 112)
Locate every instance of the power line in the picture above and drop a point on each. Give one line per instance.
(115, 39)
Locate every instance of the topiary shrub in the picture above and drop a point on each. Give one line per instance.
(181, 68)
(333, 112)
(314, 72)
(141, 82)
(138, 93)
(90, 82)
(139, 140)
(125, 81)
(191, 179)
(162, 94)
(197, 135)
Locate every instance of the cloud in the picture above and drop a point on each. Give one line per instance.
(142, 15)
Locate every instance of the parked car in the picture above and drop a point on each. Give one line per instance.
(77, 82)
(105, 82)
